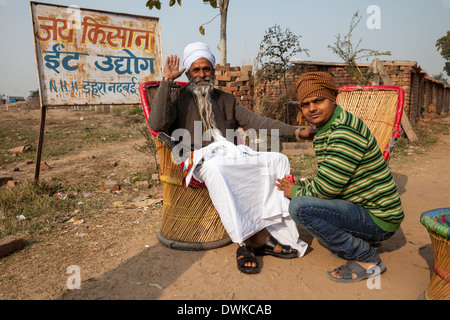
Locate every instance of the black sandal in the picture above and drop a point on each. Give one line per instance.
(268, 249)
(244, 255)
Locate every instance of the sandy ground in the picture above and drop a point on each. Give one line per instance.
(119, 256)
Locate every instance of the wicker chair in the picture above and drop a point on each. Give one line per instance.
(190, 220)
(381, 109)
(437, 222)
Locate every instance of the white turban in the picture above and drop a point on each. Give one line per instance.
(195, 51)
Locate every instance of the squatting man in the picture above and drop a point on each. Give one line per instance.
(241, 182)
(352, 202)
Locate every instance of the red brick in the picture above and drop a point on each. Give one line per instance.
(10, 244)
(142, 185)
(218, 67)
(233, 73)
(44, 166)
(235, 84)
(12, 183)
(111, 185)
(223, 78)
(229, 89)
(5, 180)
(20, 149)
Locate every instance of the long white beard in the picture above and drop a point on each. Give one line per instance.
(202, 94)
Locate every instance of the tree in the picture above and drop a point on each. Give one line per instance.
(443, 44)
(276, 50)
(34, 94)
(440, 77)
(275, 53)
(345, 49)
(222, 5)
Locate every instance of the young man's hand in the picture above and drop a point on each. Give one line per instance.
(286, 186)
(307, 133)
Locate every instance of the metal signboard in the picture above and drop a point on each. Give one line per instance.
(94, 57)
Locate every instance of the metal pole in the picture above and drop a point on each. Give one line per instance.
(40, 142)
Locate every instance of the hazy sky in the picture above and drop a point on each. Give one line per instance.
(408, 28)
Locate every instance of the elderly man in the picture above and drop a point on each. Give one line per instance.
(240, 181)
(352, 202)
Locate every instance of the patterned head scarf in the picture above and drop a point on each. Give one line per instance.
(316, 84)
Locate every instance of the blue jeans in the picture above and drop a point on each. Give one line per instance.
(341, 226)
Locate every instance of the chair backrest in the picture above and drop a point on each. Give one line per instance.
(147, 91)
(381, 109)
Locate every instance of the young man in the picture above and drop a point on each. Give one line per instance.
(353, 201)
(239, 180)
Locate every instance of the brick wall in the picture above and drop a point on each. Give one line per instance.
(423, 94)
(238, 81)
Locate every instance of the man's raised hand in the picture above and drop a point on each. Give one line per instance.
(171, 68)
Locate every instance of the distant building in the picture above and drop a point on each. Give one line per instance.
(15, 99)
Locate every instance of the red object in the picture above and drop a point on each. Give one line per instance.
(143, 87)
(290, 177)
(397, 130)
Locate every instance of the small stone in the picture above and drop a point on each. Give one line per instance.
(117, 204)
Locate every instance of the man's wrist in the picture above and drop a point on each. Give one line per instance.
(297, 135)
(167, 79)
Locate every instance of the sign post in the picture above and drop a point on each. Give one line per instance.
(90, 57)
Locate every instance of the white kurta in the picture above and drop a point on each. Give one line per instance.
(241, 184)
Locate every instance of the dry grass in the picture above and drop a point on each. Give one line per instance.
(63, 136)
(35, 208)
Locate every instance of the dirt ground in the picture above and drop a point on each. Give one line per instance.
(119, 256)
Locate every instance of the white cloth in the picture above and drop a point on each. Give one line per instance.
(195, 51)
(241, 184)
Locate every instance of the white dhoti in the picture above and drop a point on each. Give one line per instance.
(241, 184)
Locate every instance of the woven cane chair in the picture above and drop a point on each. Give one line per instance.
(437, 222)
(190, 220)
(381, 109)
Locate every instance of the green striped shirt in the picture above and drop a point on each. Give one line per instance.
(351, 167)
